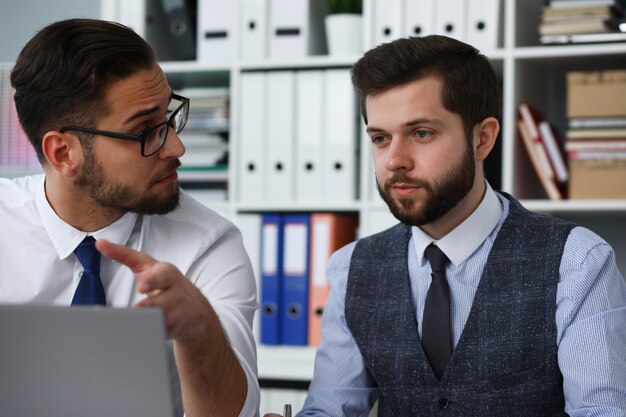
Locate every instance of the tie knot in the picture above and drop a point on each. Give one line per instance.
(436, 258)
(88, 255)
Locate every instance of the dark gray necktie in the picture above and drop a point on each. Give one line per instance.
(436, 331)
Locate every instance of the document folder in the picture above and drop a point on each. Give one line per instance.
(387, 20)
(341, 145)
(329, 232)
(170, 27)
(483, 24)
(419, 17)
(309, 136)
(215, 31)
(295, 278)
(254, 29)
(279, 137)
(450, 18)
(271, 278)
(252, 164)
(296, 28)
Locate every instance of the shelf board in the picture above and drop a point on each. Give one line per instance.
(286, 362)
(299, 207)
(573, 206)
(310, 62)
(494, 54)
(193, 66)
(560, 51)
(326, 61)
(182, 74)
(317, 61)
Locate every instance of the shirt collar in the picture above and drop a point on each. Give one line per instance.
(65, 238)
(464, 239)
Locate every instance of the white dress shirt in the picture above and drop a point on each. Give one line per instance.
(590, 317)
(37, 264)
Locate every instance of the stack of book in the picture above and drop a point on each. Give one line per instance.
(583, 21)
(544, 151)
(596, 136)
(206, 134)
(204, 170)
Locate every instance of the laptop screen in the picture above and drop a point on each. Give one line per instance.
(83, 361)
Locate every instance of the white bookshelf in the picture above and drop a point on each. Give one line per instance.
(528, 70)
(286, 362)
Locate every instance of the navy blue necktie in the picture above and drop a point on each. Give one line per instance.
(436, 328)
(90, 289)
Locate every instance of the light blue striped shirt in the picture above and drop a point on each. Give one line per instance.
(590, 317)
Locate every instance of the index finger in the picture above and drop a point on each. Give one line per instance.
(135, 260)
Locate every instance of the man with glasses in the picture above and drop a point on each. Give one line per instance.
(104, 122)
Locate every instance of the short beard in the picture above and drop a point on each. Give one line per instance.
(116, 196)
(442, 195)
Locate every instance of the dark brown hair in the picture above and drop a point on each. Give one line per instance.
(470, 87)
(61, 75)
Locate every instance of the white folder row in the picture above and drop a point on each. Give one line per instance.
(268, 29)
(295, 28)
(477, 22)
(298, 137)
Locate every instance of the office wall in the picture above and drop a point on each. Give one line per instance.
(21, 19)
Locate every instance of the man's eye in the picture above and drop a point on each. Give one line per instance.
(376, 140)
(422, 134)
(140, 130)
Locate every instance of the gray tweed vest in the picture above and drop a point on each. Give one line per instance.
(505, 363)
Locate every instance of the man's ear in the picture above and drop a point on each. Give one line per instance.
(63, 152)
(485, 134)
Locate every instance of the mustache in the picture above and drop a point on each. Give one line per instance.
(172, 166)
(406, 180)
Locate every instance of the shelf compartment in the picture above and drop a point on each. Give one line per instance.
(286, 362)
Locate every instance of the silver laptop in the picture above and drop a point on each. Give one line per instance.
(83, 361)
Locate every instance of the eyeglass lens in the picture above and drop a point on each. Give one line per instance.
(155, 139)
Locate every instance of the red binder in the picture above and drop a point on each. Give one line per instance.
(329, 232)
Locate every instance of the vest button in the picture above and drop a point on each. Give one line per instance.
(442, 403)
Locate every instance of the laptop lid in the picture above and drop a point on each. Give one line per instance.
(83, 361)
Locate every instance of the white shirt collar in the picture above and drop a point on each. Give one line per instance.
(464, 239)
(65, 238)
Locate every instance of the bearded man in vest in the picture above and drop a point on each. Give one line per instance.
(535, 323)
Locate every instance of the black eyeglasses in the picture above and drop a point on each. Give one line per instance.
(151, 139)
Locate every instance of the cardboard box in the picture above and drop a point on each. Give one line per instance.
(597, 178)
(596, 94)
